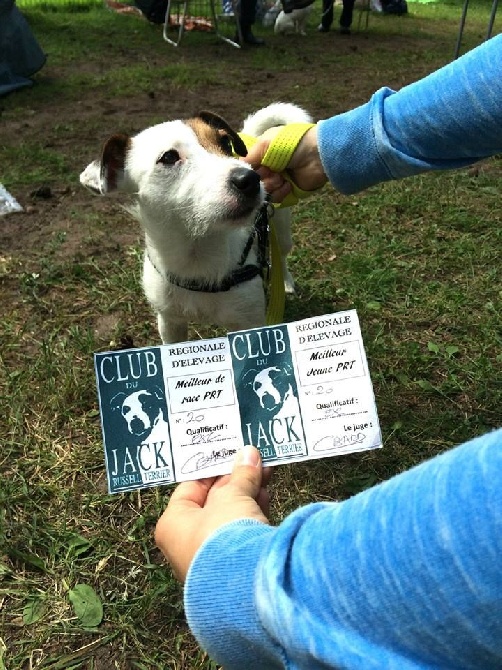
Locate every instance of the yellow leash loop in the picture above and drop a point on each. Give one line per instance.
(284, 145)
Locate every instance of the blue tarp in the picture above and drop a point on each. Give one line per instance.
(20, 53)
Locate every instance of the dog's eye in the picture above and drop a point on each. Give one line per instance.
(226, 144)
(169, 157)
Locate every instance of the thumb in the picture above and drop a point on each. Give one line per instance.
(255, 154)
(247, 472)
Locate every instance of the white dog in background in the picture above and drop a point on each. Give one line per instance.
(271, 14)
(197, 204)
(293, 22)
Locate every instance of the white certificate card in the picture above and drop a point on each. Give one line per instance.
(177, 412)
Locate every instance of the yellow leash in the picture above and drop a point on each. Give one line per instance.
(276, 292)
(276, 158)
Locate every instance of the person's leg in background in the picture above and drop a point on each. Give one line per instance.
(327, 16)
(346, 16)
(247, 18)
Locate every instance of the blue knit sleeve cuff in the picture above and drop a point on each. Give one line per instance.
(220, 596)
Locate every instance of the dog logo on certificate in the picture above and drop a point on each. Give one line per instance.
(267, 392)
(134, 418)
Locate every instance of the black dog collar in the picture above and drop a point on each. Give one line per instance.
(242, 272)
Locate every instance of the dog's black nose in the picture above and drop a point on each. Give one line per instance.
(246, 181)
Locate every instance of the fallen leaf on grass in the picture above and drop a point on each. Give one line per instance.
(86, 605)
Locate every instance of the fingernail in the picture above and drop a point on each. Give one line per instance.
(248, 455)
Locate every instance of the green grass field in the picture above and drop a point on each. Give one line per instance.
(419, 260)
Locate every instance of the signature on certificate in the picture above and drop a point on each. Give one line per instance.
(335, 413)
(333, 442)
(200, 460)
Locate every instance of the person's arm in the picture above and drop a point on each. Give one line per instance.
(403, 576)
(449, 119)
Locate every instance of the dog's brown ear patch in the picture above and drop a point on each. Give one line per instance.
(113, 160)
(219, 124)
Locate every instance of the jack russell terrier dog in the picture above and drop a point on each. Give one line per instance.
(197, 204)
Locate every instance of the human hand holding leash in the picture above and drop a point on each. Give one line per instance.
(198, 508)
(304, 166)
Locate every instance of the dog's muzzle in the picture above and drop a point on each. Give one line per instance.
(268, 402)
(137, 427)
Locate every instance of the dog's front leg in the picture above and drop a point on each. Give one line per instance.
(171, 330)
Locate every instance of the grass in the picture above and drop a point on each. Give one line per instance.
(419, 260)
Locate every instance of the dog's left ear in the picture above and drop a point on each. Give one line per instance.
(217, 122)
(158, 393)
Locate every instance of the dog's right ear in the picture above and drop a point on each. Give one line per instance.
(117, 400)
(113, 162)
(107, 175)
(248, 378)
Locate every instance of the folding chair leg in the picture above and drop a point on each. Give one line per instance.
(181, 28)
(182, 14)
(365, 8)
(237, 25)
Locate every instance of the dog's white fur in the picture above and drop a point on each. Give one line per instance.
(197, 205)
(293, 22)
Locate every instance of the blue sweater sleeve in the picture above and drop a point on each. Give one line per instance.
(404, 576)
(447, 120)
